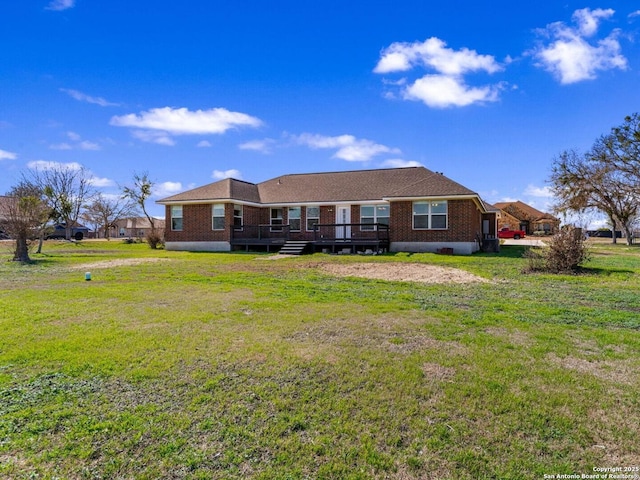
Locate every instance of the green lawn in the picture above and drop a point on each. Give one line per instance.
(202, 365)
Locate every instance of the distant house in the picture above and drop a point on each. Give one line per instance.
(520, 216)
(402, 209)
(134, 227)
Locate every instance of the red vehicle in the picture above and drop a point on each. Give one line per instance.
(506, 232)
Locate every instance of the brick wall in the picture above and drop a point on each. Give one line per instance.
(464, 223)
(253, 215)
(197, 225)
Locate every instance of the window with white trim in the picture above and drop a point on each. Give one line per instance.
(217, 216)
(313, 217)
(176, 217)
(430, 215)
(373, 214)
(276, 219)
(237, 216)
(294, 215)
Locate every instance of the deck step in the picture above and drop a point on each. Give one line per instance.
(294, 247)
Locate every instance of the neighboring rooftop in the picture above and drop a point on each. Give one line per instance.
(522, 211)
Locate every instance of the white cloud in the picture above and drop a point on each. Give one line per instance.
(101, 182)
(433, 53)
(74, 136)
(111, 196)
(61, 146)
(181, 121)
(165, 189)
(4, 155)
(78, 144)
(161, 138)
(447, 86)
(347, 147)
(48, 165)
(442, 91)
(589, 20)
(203, 144)
(221, 175)
(634, 14)
(570, 57)
(263, 146)
(72, 166)
(490, 196)
(59, 5)
(539, 192)
(86, 145)
(83, 97)
(399, 163)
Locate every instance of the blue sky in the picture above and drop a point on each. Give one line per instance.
(487, 92)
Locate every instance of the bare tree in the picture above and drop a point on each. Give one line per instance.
(67, 189)
(104, 212)
(621, 148)
(24, 211)
(590, 181)
(606, 178)
(139, 193)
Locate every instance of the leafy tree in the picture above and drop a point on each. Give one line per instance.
(24, 211)
(139, 193)
(67, 189)
(103, 212)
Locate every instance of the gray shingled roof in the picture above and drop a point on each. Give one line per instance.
(351, 186)
(226, 189)
(527, 210)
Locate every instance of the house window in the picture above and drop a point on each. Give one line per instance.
(176, 217)
(276, 219)
(122, 232)
(294, 218)
(313, 217)
(430, 215)
(373, 214)
(217, 213)
(237, 217)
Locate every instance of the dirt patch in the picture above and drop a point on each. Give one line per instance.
(278, 256)
(621, 371)
(436, 372)
(402, 272)
(392, 334)
(121, 262)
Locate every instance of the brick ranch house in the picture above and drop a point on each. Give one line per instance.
(399, 210)
(520, 216)
(132, 227)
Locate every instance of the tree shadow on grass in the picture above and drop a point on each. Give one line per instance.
(606, 272)
(33, 262)
(508, 251)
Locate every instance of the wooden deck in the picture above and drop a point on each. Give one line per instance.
(330, 238)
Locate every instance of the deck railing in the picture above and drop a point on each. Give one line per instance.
(351, 232)
(262, 232)
(322, 233)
